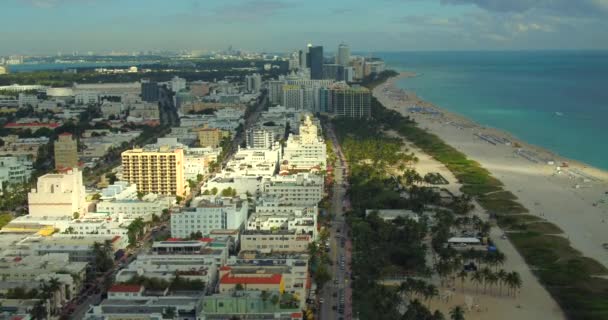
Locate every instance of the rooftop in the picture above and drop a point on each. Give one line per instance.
(261, 279)
(125, 288)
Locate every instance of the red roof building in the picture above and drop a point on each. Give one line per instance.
(126, 288)
(260, 279)
(31, 125)
(269, 282)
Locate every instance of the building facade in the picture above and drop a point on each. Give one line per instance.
(343, 56)
(66, 151)
(211, 137)
(208, 215)
(306, 150)
(352, 102)
(58, 195)
(155, 170)
(315, 62)
(259, 138)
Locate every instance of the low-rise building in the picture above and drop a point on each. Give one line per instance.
(23, 272)
(211, 137)
(297, 189)
(247, 304)
(132, 302)
(121, 199)
(275, 241)
(14, 170)
(79, 248)
(274, 214)
(209, 214)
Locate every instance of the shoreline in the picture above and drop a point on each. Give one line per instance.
(543, 152)
(575, 198)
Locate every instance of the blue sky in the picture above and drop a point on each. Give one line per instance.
(49, 26)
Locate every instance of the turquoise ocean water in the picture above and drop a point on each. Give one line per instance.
(556, 100)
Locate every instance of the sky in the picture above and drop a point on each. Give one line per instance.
(51, 26)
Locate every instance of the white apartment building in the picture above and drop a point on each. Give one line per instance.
(274, 213)
(197, 161)
(306, 150)
(275, 241)
(14, 170)
(58, 195)
(259, 138)
(29, 271)
(207, 215)
(242, 184)
(297, 189)
(78, 247)
(131, 209)
(253, 162)
(98, 224)
(87, 98)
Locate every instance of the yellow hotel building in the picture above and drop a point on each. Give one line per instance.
(158, 171)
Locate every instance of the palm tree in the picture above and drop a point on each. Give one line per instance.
(430, 292)
(457, 313)
(463, 275)
(492, 279)
(437, 315)
(478, 279)
(514, 281)
(502, 277)
(485, 272)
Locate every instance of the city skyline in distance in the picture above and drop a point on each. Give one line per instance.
(51, 26)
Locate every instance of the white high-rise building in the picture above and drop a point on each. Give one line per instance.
(306, 150)
(343, 56)
(58, 195)
(293, 97)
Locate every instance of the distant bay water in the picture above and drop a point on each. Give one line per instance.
(552, 99)
(64, 66)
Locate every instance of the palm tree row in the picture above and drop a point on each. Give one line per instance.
(418, 287)
(487, 278)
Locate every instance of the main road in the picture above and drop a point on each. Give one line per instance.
(337, 294)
